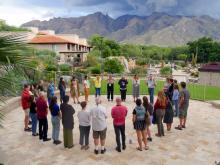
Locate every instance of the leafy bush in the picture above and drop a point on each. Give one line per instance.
(51, 68)
(166, 71)
(92, 60)
(96, 70)
(113, 66)
(65, 68)
(139, 70)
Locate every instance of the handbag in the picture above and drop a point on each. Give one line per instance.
(147, 118)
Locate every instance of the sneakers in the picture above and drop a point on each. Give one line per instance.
(103, 151)
(56, 142)
(118, 149)
(149, 139)
(96, 152)
(35, 134)
(27, 129)
(47, 139)
(124, 147)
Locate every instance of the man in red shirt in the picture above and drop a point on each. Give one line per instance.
(25, 103)
(119, 113)
(42, 110)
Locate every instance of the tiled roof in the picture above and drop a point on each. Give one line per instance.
(48, 39)
(211, 67)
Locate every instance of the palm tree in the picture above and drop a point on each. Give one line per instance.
(15, 60)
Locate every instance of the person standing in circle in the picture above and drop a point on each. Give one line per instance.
(136, 87)
(62, 88)
(86, 85)
(74, 89)
(151, 87)
(25, 102)
(68, 122)
(123, 87)
(98, 84)
(139, 116)
(119, 113)
(159, 108)
(110, 88)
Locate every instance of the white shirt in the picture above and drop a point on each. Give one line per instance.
(84, 117)
(86, 83)
(151, 83)
(98, 115)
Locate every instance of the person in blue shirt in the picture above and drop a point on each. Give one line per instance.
(175, 99)
(50, 91)
(123, 87)
(55, 119)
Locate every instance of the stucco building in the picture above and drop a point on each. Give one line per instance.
(69, 47)
(209, 74)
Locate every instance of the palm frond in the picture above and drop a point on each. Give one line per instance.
(15, 58)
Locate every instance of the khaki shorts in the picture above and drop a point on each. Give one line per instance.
(101, 134)
(183, 112)
(26, 112)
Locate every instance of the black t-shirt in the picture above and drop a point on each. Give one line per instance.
(33, 108)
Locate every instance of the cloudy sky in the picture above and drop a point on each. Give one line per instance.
(16, 12)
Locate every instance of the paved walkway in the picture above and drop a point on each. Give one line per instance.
(198, 144)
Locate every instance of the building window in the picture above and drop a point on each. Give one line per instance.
(54, 47)
(68, 46)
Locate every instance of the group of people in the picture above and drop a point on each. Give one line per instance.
(171, 101)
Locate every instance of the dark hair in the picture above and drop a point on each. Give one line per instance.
(175, 81)
(145, 101)
(66, 99)
(73, 78)
(83, 104)
(61, 78)
(171, 80)
(26, 85)
(86, 77)
(176, 86)
(52, 102)
(138, 102)
(183, 84)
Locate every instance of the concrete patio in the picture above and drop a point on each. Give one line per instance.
(198, 144)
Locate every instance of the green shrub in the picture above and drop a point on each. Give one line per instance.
(65, 68)
(166, 71)
(51, 68)
(96, 70)
(113, 66)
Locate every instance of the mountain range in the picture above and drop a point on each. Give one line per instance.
(156, 29)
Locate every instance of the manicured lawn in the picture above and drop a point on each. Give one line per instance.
(198, 92)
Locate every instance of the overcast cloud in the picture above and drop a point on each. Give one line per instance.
(17, 12)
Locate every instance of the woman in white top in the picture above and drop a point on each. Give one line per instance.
(86, 85)
(84, 126)
(135, 87)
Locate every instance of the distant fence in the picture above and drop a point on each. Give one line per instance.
(197, 91)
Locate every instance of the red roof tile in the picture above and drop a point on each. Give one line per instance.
(48, 39)
(211, 67)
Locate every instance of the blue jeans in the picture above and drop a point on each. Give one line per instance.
(151, 93)
(175, 103)
(55, 127)
(97, 92)
(34, 122)
(62, 95)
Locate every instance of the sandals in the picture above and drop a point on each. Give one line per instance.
(146, 147)
(139, 149)
(178, 127)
